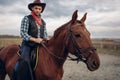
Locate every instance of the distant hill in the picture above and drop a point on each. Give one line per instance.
(9, 36)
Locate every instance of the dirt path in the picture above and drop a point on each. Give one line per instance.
(109, 69)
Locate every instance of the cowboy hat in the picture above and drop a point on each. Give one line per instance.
(37, 2)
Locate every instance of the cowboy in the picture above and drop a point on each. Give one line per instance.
(33, 30)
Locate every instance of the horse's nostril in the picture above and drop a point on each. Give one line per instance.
(94, 63)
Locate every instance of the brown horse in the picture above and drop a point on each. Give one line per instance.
(72, 37)
(1, 48)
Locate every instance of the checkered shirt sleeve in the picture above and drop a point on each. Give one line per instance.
(24, 29)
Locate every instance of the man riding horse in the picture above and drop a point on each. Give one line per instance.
(71, 38)
(33, 30)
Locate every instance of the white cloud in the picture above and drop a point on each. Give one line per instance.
(10, 23)
(54, 23)
(70, 3)
(103, 17)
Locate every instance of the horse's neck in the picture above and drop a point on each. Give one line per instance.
(58, 49)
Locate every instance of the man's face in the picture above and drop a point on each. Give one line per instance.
(37, 10)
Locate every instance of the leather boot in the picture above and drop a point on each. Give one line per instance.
(22, 71)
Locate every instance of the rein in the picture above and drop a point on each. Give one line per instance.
(78, 50)
(51, 53)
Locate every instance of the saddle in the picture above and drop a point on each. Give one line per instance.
(21, 72)
(33, 59)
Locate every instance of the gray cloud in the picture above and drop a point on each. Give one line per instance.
(99, 11)
(113, 23)
(7, 2)
(57, 8)
(105, 34)
(13, 7)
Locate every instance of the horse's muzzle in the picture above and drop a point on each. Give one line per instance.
(94, 64)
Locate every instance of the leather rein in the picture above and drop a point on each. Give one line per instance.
(78, 51)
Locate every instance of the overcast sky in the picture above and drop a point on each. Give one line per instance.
(103, 19)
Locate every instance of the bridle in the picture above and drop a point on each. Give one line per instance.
(78, 51)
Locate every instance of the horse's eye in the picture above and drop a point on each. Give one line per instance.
(77, 35)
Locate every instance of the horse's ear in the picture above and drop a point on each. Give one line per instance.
(84, 18)
(74, 16)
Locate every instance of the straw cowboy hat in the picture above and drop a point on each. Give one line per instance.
(37, 2)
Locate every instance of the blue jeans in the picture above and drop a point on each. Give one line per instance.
(23, 65)
(25, 55)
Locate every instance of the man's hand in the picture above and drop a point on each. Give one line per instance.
(36, 40)
(46, 39)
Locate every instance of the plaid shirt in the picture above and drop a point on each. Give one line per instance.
(24, 29)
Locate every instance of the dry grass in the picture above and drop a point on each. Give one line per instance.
(9, 41)
(102, 45)
(110, 64)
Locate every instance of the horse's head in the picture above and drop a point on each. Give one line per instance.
(79, 43)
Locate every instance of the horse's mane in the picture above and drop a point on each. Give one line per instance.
(57, 31)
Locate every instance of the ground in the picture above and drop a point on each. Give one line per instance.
(109, 69)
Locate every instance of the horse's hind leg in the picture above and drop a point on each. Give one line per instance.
(2, 71)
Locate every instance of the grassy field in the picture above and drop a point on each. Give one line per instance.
(110, 65)
(9, 41)
(103, 45)
(108, 46)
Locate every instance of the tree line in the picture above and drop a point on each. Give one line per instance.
(9, 36)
